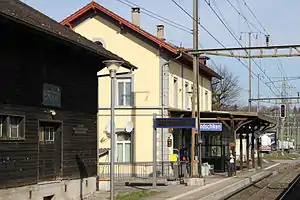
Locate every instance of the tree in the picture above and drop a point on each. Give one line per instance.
(225, 92)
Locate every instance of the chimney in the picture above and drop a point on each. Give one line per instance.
(135, 15)
(160, 31)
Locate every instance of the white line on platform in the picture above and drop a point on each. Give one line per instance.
(198, 189)
(272, 166)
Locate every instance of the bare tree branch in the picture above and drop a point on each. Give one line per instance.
(225, 91)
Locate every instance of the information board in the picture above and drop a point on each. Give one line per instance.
(175, 123)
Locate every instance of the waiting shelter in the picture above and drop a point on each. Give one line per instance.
(222, 131)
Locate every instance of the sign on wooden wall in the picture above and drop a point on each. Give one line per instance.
(51, 95)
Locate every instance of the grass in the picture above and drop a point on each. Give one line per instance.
(136, 195)
(279, 156)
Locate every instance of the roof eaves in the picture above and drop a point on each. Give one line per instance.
(94, 5)
(104, 53)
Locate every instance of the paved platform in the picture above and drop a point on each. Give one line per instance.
(216, 187)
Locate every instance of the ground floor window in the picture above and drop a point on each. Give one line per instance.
(12, 127)
(124, 146)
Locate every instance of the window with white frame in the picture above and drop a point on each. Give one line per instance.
(175, 92)
(124, 92)
(187, 96)
(12, 127)
(46, 134)
(123, 147)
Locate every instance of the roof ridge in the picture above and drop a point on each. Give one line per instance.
(94, 5)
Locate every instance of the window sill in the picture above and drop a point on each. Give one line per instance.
(124, 107)
(12, 139)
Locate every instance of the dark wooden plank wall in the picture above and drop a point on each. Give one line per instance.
(27, 60)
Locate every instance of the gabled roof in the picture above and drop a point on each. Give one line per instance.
(22, 13)
(93, 6)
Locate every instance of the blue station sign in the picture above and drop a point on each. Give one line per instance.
(211, 127)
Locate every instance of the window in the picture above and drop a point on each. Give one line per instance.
(46, 134)
(187, 96)
(175, 83)
(123, 147)
(12, 127)
(124, 92)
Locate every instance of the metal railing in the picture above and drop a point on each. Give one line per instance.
(140, 170)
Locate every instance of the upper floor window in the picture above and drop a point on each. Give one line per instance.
(124, 92)
(12, 127)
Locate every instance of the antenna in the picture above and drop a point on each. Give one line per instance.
(129, 127)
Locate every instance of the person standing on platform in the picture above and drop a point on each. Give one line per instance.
(231, 164)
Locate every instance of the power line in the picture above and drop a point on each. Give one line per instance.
(245, 18)
(221, 43)
(156, 16)
(222, 15)
(255, 17)
(232, 34)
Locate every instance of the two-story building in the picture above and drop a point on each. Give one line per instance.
(163, 83)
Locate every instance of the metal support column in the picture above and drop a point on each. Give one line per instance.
(154, 151)
(250, 74)
(241, 151)
(195, 77)
(253, 149)
(112, 137)
(258, 152)
(247, 148)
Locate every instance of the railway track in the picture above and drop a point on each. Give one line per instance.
(271, 187)
(292, 192)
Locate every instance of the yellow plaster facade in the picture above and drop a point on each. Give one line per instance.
(145, 87)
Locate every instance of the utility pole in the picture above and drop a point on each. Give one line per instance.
(250, 81)
(196, 86)
(258, 92)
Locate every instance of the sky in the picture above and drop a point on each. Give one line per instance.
(279, 18)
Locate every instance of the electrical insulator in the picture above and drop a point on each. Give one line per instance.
(282, 111)
(267, 39)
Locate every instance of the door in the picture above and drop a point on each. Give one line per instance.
(49, 150)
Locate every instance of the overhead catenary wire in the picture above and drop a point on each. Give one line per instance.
(235, 38)
(156, 16)
(187, 13)
(249, 23)
(252, 13)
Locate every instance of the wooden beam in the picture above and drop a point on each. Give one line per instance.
(229, 119)
(226, 124)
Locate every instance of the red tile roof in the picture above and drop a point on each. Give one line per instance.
(123, 22)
